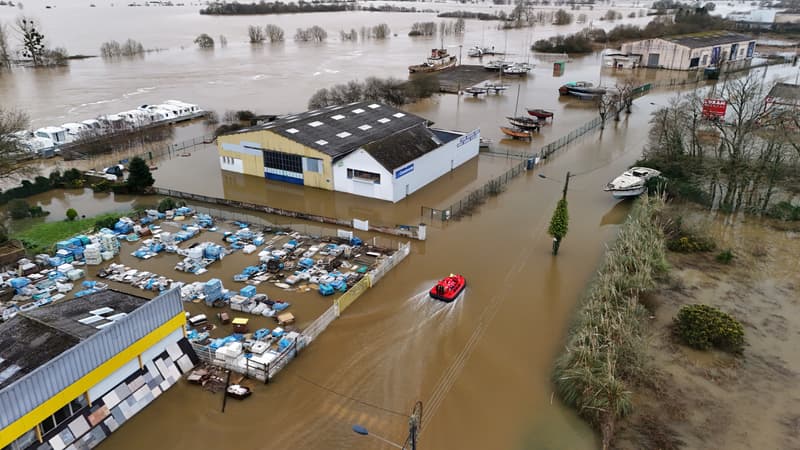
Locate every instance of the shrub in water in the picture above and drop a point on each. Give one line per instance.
(691, 243)
(725, 256)
(71, 214)
(704, 326)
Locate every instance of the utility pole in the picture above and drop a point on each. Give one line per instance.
(566, 186)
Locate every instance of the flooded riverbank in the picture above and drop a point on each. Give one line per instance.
(710, 398)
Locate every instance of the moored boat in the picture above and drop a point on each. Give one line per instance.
(496, 64)
(448, 288)
(540, 113)
(632, 182)
(582, 89)
(516, 133)
(525, 123)
(475, 90)
(439, 60)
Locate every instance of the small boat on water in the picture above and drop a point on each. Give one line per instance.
(439, 60)
(478, 51)
(497, 65)
(582, 89)
(485, 142)
(475, 91)
(517, 69)
(631, 183)
(449, 288)
(525, 123)
(516, 132)
(540, 113)
(496, 87)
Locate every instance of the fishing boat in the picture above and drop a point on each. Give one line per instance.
(582, 89)
(439, 60)
(631, 183)
(449, 288)
(525, 123)
(496, 87)
(540, 113)
(238, 392)
(516, 133)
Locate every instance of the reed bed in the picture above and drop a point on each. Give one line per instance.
(604, 355)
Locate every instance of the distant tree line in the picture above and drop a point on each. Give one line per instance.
(471, 15)
(685, 21)
(391, 91)
(423, 29)
(274, 8)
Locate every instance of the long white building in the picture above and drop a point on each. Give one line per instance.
(367, 149)
(693, 51)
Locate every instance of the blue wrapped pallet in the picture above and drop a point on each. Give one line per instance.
(248, 291)
(18, 283)
(123, 227)
(326, 289)
(62, 245)
(306, 262)
(84, 240)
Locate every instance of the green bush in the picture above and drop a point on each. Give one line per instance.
(106, 222)
(37, 211)
(704, 326)
(725, 256)
(166, 204)
(19, 209)
(784, 211)
(71, 214)
(689, 243)
(101, 186)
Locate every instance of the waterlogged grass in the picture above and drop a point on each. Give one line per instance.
(42, 237)
(604, 354)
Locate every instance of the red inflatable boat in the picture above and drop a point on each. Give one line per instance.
(447, 289)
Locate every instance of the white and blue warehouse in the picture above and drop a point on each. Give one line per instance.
(363, 148)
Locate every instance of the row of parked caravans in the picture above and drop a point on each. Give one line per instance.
(47, 140)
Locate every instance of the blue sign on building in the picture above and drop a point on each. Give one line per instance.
(468, 137)
(404, 170)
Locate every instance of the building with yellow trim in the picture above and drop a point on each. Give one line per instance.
(363, 148)
(73, 372)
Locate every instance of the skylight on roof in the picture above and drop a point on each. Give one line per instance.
(90, 320)
(337, 117)
(358, 111)
(321, 142)
(384, 120)
(399, 115)
(292, 130)
(364, 127)
(316, 123)
(343, 134)
(374, 105)
(101, 311)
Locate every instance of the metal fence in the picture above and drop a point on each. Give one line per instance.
(389, 263)
(467, 204)
(399, 230)
(143, 149)
(351, 295)
(246, 366)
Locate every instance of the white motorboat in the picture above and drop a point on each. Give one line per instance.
(631, 183)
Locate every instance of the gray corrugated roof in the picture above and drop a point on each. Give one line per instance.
(707, 39)
(339, 130)
(403, 147)
(32, 338)
(786, 91)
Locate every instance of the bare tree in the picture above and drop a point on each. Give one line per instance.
(33, 44)
(606, 103)
(274, 32)
(256, 34)
(11, 146)
(352, 35)
(313, 34)
(223, 41)
(5, 52)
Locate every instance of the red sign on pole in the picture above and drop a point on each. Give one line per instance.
(714, 108)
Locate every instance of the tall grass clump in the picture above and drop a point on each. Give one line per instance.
(604, 355)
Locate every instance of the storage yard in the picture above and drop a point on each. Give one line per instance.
(243, 288)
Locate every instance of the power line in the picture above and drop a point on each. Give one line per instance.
(325, 388)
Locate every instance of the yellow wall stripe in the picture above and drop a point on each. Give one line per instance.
(46, 409)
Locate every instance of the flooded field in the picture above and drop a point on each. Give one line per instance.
(709, 398)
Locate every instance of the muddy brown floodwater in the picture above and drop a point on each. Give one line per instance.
(481, 365)
(711, 399)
